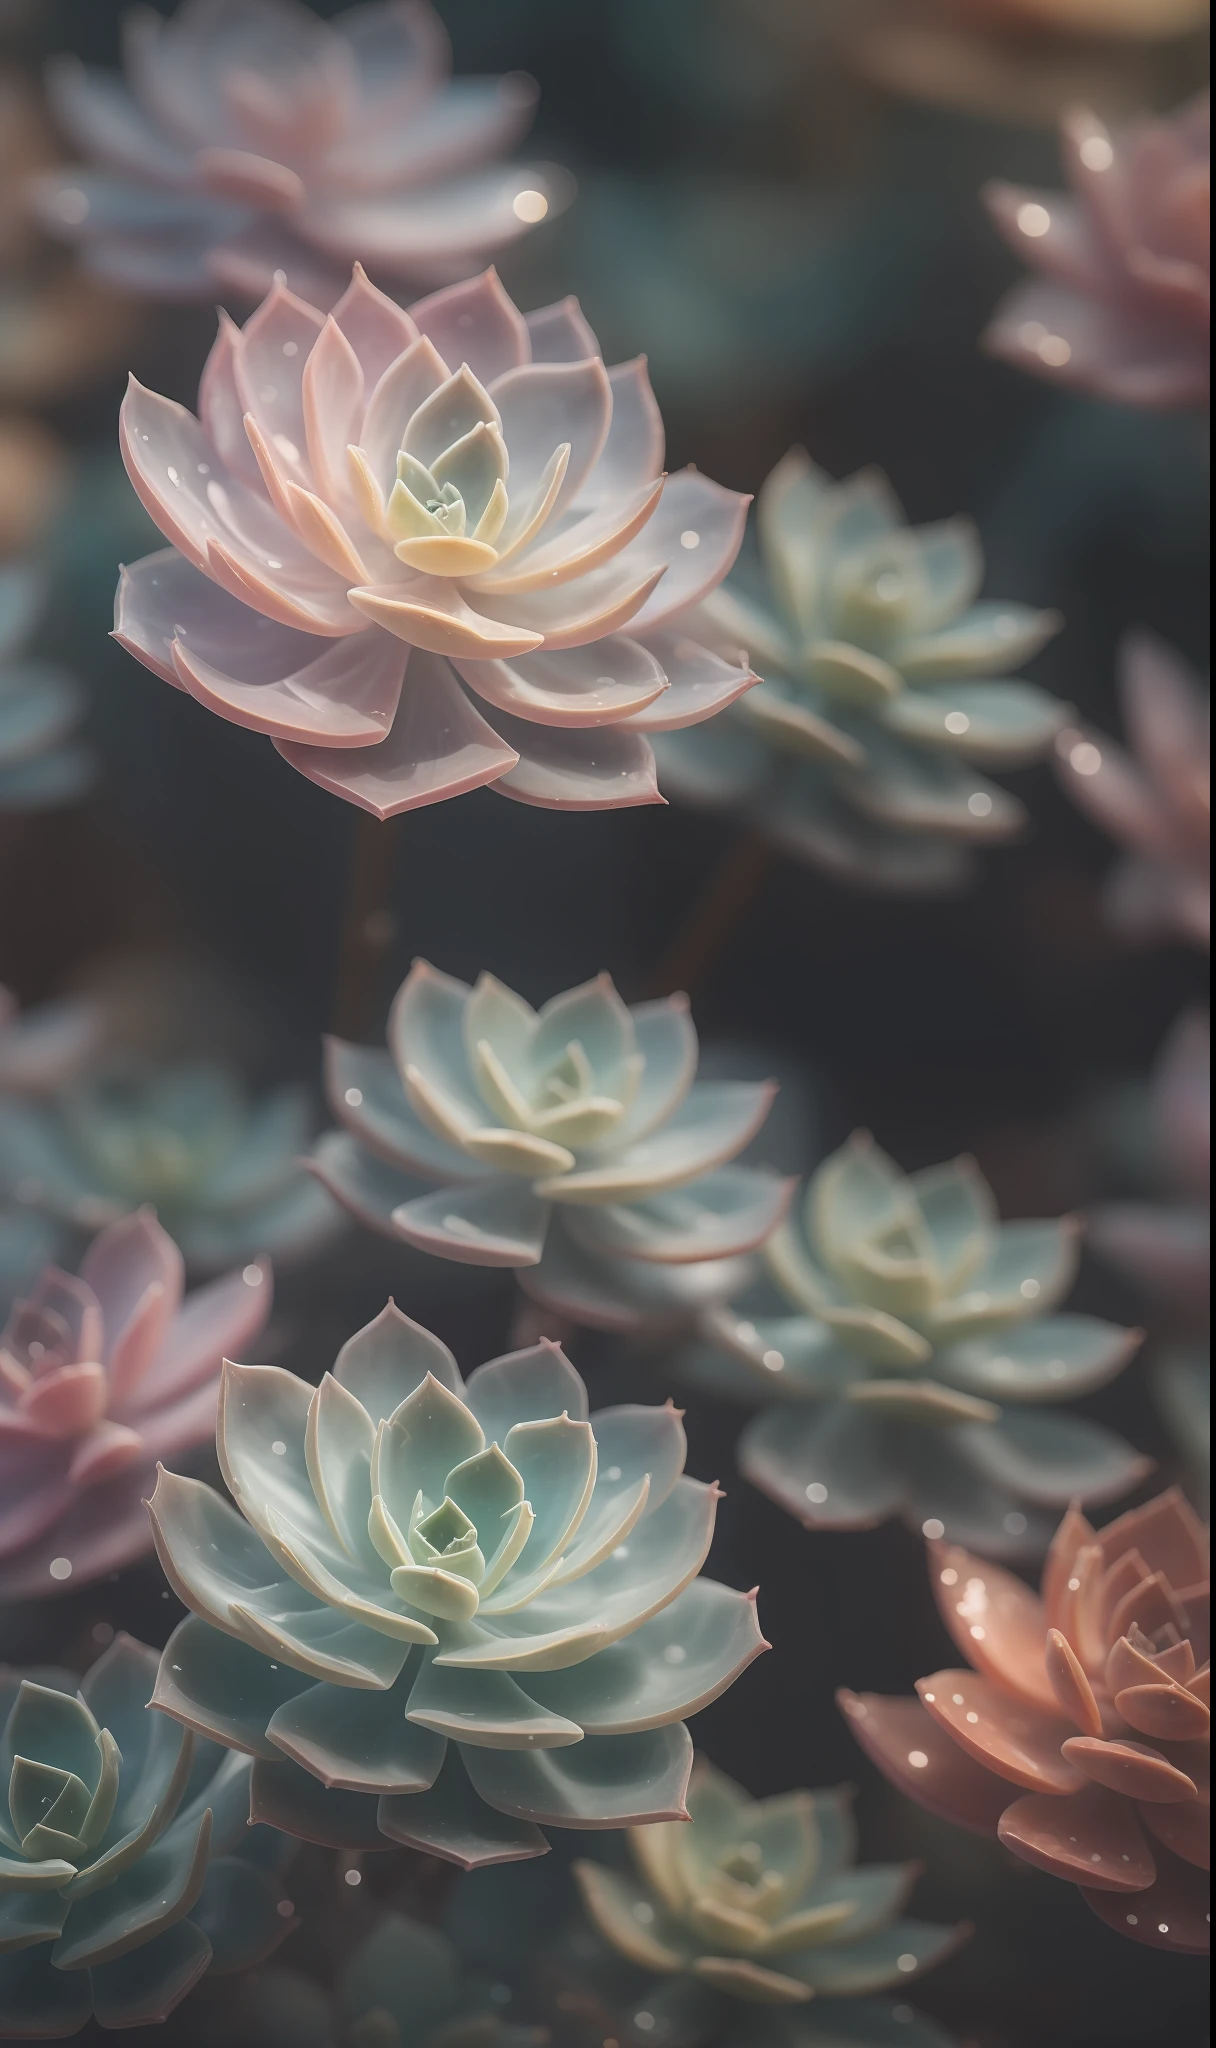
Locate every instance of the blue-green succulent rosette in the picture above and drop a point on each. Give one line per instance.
(446, 1614)
(753, 1924)
(914, 1373)
(405, 1986)
(222, 1172)
(43, 763)
(559, 1137)
(127, 1864)
(885, 688)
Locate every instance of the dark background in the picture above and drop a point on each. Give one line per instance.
(804, 259)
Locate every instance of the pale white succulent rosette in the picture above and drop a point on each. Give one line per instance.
(568, 1140)
(446, 1614)
(756, 1909)
(912, 1376)
(428, 551)
(884, 688)
(249, 140)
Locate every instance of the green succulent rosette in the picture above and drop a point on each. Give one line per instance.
(921, 1371)
(446, 1614)
(405, 1986)
(127, 1865)
(885, 688)
(753, 1925)
(222, 1172)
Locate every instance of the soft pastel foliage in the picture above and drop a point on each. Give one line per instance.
(250, 140)
(122, 1877)
(1081, 1735)
(222, 1172)
(459, 492)
(1122, 302)
(442, 1613)
(574, 1140)
(1156, 801)
(881, 695)
(102, 1373)
(910, 1376)
(759, 1901)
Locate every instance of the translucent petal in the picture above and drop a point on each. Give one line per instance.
(671, 1667)
(710, 1126)
(525, 1386)
(830, 1465)
(601, 1782)
(359, 1742)
(451, 1821)
(487, 1709)
(222, 1689)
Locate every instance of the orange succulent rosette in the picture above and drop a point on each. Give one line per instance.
(1080, 1734)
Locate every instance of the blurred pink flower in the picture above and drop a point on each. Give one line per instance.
(1123, 303)
(1080, 1737)
(253, 141)
(103, 1374)
(384, 516)
(1165, 1244)
(1158, 801)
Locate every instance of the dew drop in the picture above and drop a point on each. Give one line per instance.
(979, 804)
(957, 721)
(253, 1276)
(1030, 1288)
(905, 1963)
(353, 1097)
(529, 206)
(1096, 153)
(291, 348)
(1015, 1523)
(933, 1528)
(918, 1760)
(279, 1447)
(949, 1576)
(1033, 219)
(690, 538)
(816, 1492)
(1085, 758)
(61, 1567)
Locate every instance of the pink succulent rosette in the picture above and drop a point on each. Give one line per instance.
(429, 551)
(1157, 800)
(1121, 305)
(1081, 1736)
(250, 140)
(104, 1373)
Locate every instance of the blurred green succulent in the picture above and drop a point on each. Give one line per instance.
(223, 1173)
(121, 1879)
(883, 688)
(909, 1378)
(757, 1904)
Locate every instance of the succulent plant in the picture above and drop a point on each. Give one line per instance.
(861, 747)
(222, 1173)
(121, 1873)
(405, 1986)
(917, 1317)
(1164, 1245)
(250, 139)
(561, 1136)
(42, 763)
(457, 489)
(443, 1614)
(101, 1374)
(1080, 1738)
(758, 1904)
(1122, 305)
(1157, 803)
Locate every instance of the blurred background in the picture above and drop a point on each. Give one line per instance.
(777, 201)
